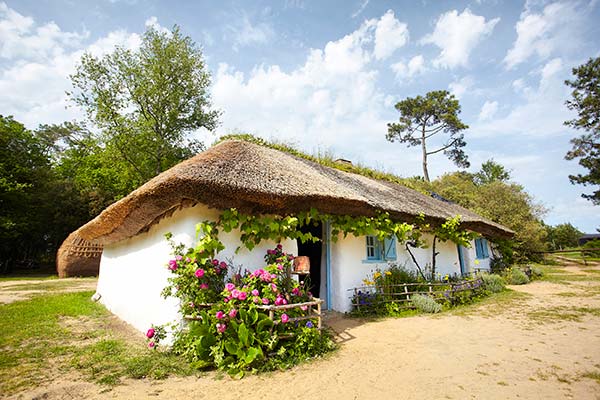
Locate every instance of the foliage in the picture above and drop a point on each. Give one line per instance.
(586, 102)
(491, 171)
(425, 304)
(155, 334)
(562, 236)
(503, 202)
(536, 273)
(199, 278)
(494, 283)
(37, 207)
(234, 332)
(145, 102)
(424, 117)
(592, 244)
(515, 276)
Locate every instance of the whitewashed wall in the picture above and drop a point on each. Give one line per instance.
(133, 272)
(349, 266)
(472, 263)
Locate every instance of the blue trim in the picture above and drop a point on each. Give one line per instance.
(328, 261)
(461, 259)
(369, 261)
(481, 249)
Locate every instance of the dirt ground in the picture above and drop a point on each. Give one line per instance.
(538, 346)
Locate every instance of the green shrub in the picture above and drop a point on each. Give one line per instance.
(592, 244)
(426, 304)
(536, 273)
(493, 283)
(515, 276)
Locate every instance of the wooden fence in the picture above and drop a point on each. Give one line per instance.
(313, 309)
(370, 296)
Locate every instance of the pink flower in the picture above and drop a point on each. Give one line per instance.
(280, 267)
(223, 265)
(151, 345)
(284, 318)
(254, 292)
(220, 315)
(187, 259)
(215, 262)
(179, 258)
(229, 287)
(274, 287)
(256, 299)
(226, 300)
(242, 296)
(279, 246)
(270, 252)
(295, 291)
(150, 333)
(232, 313)
(199, 273)
(203, 286)
(265, 301)
(235, 293)
(278, 301)
(221, 328)
(172, 265)
(304, 308)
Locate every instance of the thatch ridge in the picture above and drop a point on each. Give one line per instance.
(258, 179)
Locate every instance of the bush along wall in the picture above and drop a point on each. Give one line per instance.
(244, 321)
(398, 289)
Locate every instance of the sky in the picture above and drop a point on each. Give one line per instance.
(325, 75)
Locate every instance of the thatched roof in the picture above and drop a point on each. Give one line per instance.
(257, 179)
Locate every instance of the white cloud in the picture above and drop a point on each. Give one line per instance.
(362, 7)
(541, 34)
(415, 66)
(152, 22)
(458, 88)
(488, 110)
(542, 111)
(334, 92)
(39, 73)
(245, 32)
(457, 35)
(390, 35)
(21, 38)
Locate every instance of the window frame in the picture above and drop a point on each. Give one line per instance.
(377, 252)
(481, 249)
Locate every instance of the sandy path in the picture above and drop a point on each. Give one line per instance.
(505, 354)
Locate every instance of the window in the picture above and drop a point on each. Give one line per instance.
(377, 251)
(481, 248)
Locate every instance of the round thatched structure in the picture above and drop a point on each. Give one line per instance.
(255, 180)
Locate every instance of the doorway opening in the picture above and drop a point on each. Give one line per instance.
(314, 252)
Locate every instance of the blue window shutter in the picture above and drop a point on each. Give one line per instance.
(484, 247)
(390, 248)
(372, 248)
(478, 249)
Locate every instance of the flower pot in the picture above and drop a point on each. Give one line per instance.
(302, 265)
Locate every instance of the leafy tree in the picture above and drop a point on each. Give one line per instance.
(145, 104)
(586, 102)
(37, 209)
(491, 171)
(422, 118)
(562, 236)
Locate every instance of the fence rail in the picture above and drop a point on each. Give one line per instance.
(367, 296)
(313, 310)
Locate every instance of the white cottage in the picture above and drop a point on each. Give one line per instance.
(128, 237)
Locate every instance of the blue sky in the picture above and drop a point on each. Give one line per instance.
(326, 75)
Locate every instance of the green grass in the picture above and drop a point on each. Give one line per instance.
(35, 346)
(562, 313)
(492, 305)
(23, 277)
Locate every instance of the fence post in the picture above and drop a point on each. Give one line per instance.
(406, 291)
(356, 299)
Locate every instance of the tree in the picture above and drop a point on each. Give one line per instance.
(586, 102)
(422, 118)
(562, 236)
(145, 103)
(490, 172)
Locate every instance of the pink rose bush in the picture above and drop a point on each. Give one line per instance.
(154, 335)
(232, 328)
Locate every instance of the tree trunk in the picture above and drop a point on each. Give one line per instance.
(433, 259)
(424, 148)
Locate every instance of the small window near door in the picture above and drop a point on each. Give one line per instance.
(378, 251)
(481, 248)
